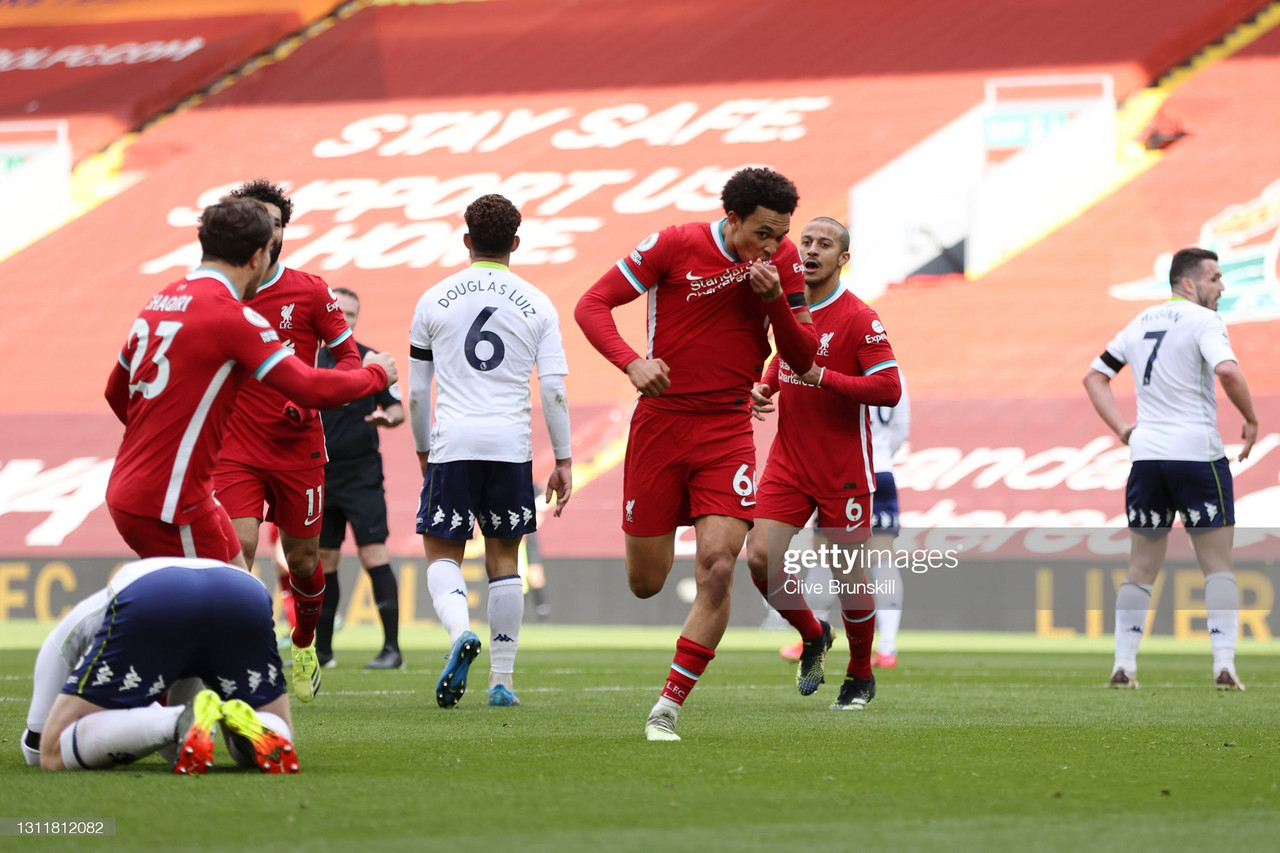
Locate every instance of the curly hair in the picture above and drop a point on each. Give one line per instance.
(232, 230)
(492, 222)
(759, 187)
(268, 193)
(1185, 262)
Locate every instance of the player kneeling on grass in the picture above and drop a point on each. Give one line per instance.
(106, 713)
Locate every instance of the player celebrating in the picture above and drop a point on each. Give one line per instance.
(1179, 464)
(713, 291)
(274, 451)
(480, 333)
(825, 408)
(106, 715)
(187, 354)
(890, 426)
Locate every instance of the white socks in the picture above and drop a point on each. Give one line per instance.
(449, 597)
(1132, 602)
(1222, 606)
(108, 738)
(506, 611)
(888, 607)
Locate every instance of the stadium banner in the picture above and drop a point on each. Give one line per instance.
(108, 78)
(996, 463)
(950, 583)
(55, 13)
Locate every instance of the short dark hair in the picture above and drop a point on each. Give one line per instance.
(1187, 260)
(759, 187)
(346, 291)
(231, 231)
(492, 222)
(268, 193)
(842, 231)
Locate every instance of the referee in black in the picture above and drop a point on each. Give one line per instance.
(353, 495)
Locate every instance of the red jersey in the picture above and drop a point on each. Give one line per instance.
(824, 432)
(705, 321)
(302, 310)
(187, 355)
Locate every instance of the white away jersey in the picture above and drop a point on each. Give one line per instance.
(890, 426)
(486, 329)
(1173, 349)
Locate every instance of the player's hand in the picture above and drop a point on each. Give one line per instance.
(384, 361)
(810, 376)
(1126, 432)
(560, 484)
(651, 376)
(764, 279)
(422, 461)
(1250, 434)
(299, 414)
(381, 418)
(761, 401)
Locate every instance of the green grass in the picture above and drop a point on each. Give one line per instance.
(974, 742)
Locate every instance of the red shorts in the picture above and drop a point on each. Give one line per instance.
(843, 518)
(211, 536)
(680, 466)
(294, 499)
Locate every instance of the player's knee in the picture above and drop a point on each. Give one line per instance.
(758, 562)
(644, 586)
(302, 563)
(715, 576)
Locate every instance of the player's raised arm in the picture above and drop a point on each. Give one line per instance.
(325, 389)
(785, 306)
(881, 387)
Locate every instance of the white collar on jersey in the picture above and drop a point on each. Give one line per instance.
(718, 235)
(201, 272)
(274, 278)
(830, 298)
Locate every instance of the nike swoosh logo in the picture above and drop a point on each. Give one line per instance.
(692, 277)
(746, 502)
(851, 527)
(311, 521)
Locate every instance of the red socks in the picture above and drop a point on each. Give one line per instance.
(690, 662)
(308, 596)
(860, 628)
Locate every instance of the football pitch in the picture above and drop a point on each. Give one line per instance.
(975, 742)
